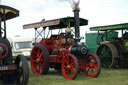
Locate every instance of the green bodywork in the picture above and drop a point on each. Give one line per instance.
(110, 27)
(109, 34)
(91, 41)
(56, 23)
(126, 45)
(66, 20)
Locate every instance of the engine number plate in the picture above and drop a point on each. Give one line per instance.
(3, 68)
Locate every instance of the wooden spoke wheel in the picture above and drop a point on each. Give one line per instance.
(108, 55)
(39, 60)
(92, 65)
(22, 74)
(70, 67)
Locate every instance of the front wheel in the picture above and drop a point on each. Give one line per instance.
(22, 74)
(70, 67)
(92, 65)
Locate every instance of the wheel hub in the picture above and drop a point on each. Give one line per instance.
(68, 66)
(91, 65)
(37, 60)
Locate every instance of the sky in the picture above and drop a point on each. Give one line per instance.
(98, 12)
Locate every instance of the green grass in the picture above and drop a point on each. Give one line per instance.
(107, 77)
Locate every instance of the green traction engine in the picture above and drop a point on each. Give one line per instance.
(112, 50)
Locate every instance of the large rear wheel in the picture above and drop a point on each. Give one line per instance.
(39, 60)
(70, 67)
(108, 55)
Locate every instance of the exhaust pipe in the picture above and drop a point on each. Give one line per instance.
(77, 24)
(76, 10)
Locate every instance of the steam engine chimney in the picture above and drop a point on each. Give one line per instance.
(76, 10)
(77, 24)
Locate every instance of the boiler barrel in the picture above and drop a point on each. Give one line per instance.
(79, 50)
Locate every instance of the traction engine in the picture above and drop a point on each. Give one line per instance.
(62, 51)
(11, 71)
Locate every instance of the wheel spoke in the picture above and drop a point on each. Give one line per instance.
(95, 61)
(72, 73)
(65, 66)
(34, 61)
(72, 63)
(34, 53)
(67, 70)
(92, 72)
(96, 65)
(38, 52)
(40, 55)
(96, 68)
(73, 67)
(88, 70)
(67, 62)
(41, 60)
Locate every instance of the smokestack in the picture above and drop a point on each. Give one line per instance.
(76, 10)
(77, 24)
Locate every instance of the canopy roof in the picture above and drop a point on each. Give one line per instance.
(8, 12)
(110, 27)
(56, 23)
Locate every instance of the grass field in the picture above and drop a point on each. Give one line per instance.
(107, 77)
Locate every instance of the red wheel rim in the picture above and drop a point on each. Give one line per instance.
(37, 60)
(91, 67)
(4, 50)
(69, 67)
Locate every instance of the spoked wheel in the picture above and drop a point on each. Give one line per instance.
(108, 55)
(22, 74)
(70, 67)
(92, 65)
(39, 60)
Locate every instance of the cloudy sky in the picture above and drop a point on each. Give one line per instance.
(98, 12)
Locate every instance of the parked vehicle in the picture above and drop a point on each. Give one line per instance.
(112, 50)
(11, 71)
(62, 50)
(21, 45)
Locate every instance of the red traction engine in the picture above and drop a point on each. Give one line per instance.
(12, 71)
(62, 51)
